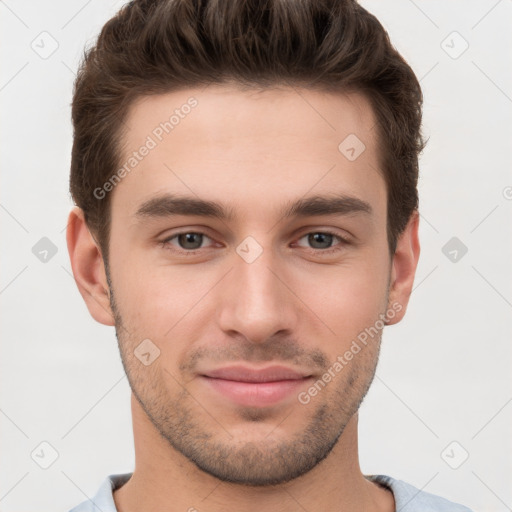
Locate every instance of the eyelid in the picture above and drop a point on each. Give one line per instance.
(167, 240)
(343, 240)
(342, 234)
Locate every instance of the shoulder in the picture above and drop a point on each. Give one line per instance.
(411, 499)
(104, 499)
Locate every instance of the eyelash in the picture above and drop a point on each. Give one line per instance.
(166, 243)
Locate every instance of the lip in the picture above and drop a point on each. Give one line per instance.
(253, 387)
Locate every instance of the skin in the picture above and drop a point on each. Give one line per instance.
(254, 152)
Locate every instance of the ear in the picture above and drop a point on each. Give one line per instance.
(405, 261)
(88, 268)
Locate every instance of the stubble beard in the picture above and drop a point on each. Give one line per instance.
(198, 434)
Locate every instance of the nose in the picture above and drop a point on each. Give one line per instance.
(257, 299)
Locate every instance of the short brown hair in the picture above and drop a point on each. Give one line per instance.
(157, 46)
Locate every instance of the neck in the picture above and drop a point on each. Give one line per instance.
(164, 479)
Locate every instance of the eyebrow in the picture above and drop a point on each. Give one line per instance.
(169, 205)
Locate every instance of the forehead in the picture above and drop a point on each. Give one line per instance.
(219, 113)
(241, 146)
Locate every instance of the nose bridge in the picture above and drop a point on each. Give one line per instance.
(256, 303)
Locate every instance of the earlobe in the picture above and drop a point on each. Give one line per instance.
(88, 268)
(405, 261)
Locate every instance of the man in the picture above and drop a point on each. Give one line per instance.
(247, 217)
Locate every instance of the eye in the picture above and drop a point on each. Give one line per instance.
(187, 241)
(190, 242)
(322, 241)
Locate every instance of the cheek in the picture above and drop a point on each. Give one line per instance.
(155, 300)
(137, 288)
(159, 302)
(348, 299)
(154, 304)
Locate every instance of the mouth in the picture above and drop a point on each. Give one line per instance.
(261, 387)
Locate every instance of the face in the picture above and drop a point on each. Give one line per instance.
(232, 313)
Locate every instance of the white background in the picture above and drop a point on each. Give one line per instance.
(444, 373)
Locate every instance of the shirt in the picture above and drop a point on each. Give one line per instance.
(407, 497)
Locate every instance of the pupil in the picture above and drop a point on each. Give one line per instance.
(314, 238)
(320, 237)
(187, 238)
